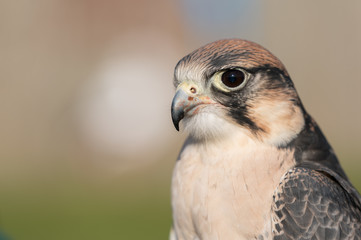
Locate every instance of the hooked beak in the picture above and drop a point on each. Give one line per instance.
(185, 103)
(178, 104)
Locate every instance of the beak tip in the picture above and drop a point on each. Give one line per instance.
(176, 117)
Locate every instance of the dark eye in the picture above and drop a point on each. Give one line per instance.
(233, 78)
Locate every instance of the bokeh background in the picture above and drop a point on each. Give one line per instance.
(86, 141)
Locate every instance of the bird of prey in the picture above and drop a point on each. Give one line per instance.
(255, 164)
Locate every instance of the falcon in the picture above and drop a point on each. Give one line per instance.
(255, 165)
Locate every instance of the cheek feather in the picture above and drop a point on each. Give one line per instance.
(280, 118)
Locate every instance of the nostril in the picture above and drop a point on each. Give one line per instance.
(193, 90)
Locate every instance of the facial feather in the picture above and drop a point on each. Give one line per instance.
(266, 108)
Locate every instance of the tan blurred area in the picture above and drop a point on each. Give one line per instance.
(85, 100)
(53, 50)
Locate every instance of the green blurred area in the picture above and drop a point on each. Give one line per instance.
(133, 206)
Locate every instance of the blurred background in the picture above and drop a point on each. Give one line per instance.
(87, 145)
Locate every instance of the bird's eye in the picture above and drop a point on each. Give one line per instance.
(233, 78)
(230, 79)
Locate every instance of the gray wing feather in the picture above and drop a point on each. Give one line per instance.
(311, 205)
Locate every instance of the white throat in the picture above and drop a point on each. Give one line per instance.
(212, 125)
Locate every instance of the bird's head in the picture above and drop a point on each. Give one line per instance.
(236, 85)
